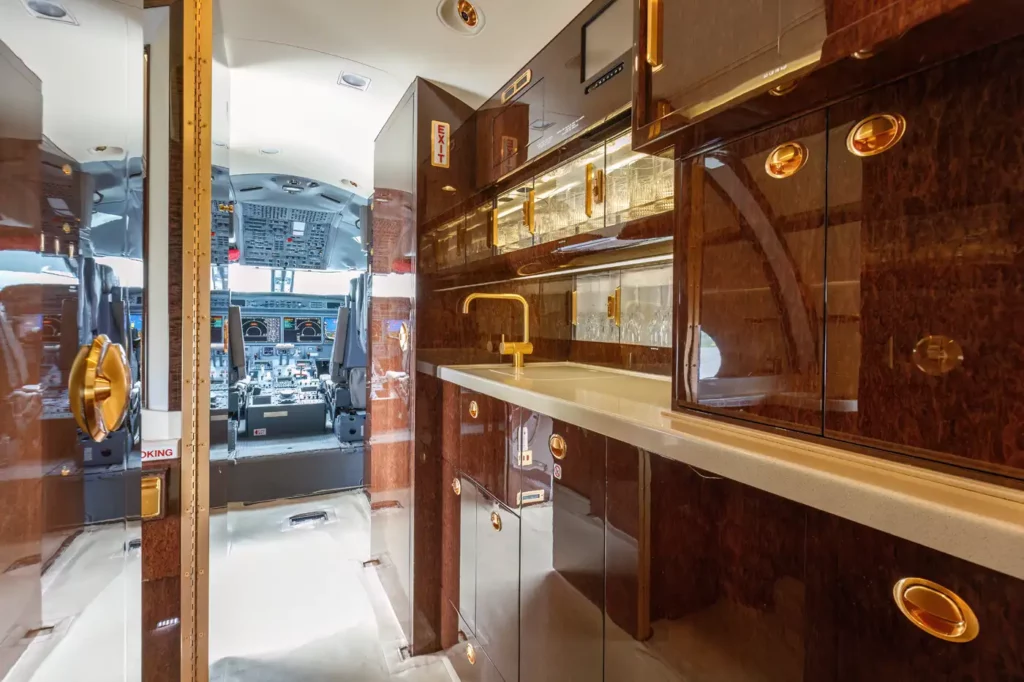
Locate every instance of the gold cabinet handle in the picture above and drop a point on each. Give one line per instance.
(599, 187)
(495, 521)
(876, 134)
(99, 387)
(654, 21)
(588, 204)
(615, 307)
(528, 211)
(152, 498)
(470, 654)
(474, 409)
(456, 486)
(558, 447)
(573, 309)
(494, 228)
(935, 609)
(785, 160)
(936, 355)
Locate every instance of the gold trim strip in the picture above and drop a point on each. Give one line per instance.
(197, 32)
(654, 14)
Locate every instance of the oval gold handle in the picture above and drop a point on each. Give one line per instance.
(474, 409)
(99, 387)
(471, 654)
(936, 355)
(495, 520)
(456, 486)
(558, 447)
(936, 610)
(785, 160)
(876, 134)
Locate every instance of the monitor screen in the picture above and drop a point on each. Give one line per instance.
(217, 329)
(301, 330)
(136, 322)
(330, 327)
(255, 330)
(606, 37)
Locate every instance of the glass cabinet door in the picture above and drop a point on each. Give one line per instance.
(598, 298)
(646, 301)
(447, 248)
(637, 185)
(476, 232)
(515, 219)
(569, 200)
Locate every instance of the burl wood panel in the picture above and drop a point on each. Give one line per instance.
(626, 536)
(935, 252)
(749, 586)
(161, 630)
(750, 262)
(483, 444)
(451, 525)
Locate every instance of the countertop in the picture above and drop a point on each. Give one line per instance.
(973, 520)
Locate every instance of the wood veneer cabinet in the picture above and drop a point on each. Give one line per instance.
(638, 567)
(707, 72)
(856, 273)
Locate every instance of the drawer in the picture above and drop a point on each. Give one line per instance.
(497, 584)
(483, 443)
(468, 658)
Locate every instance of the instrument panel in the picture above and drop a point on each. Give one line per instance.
(302, 330)
(217, 329)
(261, 329)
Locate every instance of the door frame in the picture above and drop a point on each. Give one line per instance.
(197, 71)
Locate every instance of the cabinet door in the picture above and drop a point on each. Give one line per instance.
(497, 607)
(751, 261)
(515, 219)
(482, 447)
(477, 236)
(926, 286)
(562, 580)
(469, 503)
(697, 59)
(856, 630)
(467, 657)
(565, 200)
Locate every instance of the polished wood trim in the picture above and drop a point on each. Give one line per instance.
(197, 33)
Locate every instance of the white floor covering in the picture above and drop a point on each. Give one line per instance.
(287, 604)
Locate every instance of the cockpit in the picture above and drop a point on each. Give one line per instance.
(288, 338)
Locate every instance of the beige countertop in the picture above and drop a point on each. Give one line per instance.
(973, 520)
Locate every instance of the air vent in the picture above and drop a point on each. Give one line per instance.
(309, 518)
(54, 11)
(332, 199)
(251, 189)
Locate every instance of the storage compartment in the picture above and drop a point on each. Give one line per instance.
(467, 657)
(751, 261)
(515, 219)
(569, 199)
(483, 442)
(926, 278)
(477, 232)
(497, 606)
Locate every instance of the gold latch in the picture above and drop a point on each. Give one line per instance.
(152, 497)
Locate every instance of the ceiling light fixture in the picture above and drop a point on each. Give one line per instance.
(269, 151)
(353, 80)
(461, 16)
(47, 9)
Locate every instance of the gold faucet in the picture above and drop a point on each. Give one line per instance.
(517, 349)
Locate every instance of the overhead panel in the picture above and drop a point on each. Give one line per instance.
(220, 232)
(279, 237)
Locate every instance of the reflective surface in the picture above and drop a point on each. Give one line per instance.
(71, 197)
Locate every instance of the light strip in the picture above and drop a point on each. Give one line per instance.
(649, 260)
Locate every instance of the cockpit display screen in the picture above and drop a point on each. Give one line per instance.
(256, 330)
(302, 330)
(51, 328)
(216, 329)
(330, 327)
(136, 322)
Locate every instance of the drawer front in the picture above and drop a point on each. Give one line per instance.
(498, 562)
(482, 447)
(469, 501)
(468, 658)
(926, 284)
(752, 264)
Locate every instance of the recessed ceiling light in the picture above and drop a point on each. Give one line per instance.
(353, 80)
(47, 9)
(461, 16)
(269, 151)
